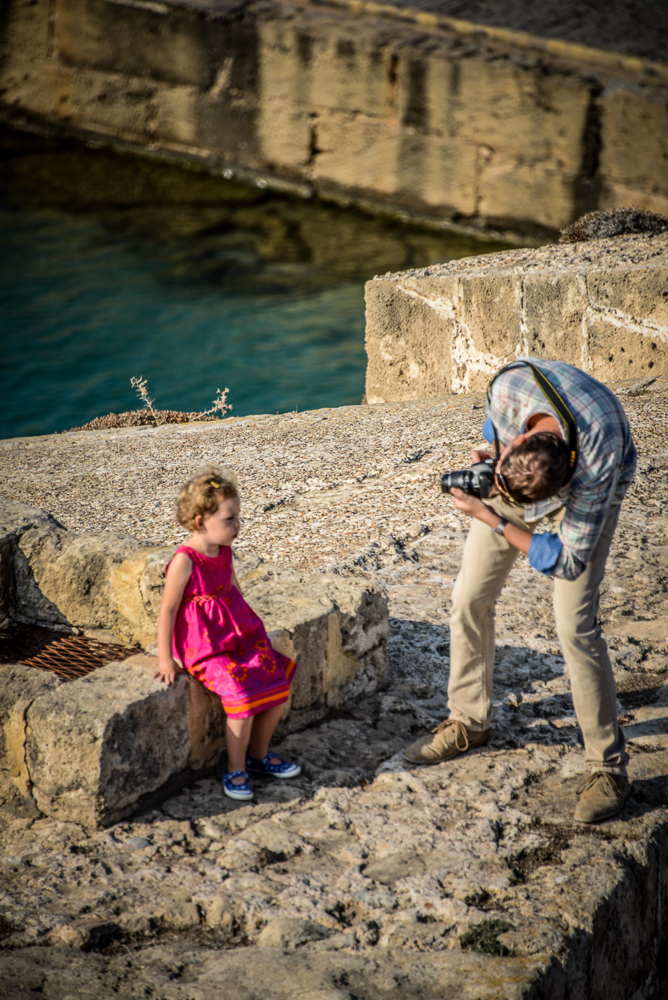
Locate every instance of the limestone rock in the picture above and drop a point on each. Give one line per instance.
(19, 686)
(449, 327)
(95, 745)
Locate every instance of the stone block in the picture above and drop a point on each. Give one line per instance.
(357, 152)
(517, 193)
(26, 28)
(626, 324)
(553, 313)
(102, 584)
(94, 746)
(320, 63)
(448, 328)
(336, 629)
(158, 41)
(634, 138)
(521, 111)
(19, 686)
(439, 172)
(622, 195)
(284, 135)
(403, 326)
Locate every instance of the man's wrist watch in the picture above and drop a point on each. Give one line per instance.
(501, 526)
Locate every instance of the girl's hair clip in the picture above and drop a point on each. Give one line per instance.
(216, 486)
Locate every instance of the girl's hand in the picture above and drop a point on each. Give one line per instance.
(469, 505)
(167, 672)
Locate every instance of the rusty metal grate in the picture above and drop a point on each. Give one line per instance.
(69, 656)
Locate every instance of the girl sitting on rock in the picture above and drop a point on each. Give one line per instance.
(206, 625)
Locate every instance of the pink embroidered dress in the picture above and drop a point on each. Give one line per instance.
(222, 642)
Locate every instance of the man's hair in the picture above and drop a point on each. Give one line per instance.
(204, 493)
(536, 469)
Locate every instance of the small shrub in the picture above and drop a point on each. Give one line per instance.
(483, 938)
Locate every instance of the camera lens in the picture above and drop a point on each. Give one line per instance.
(461, 480)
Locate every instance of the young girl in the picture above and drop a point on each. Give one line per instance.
(206, 624)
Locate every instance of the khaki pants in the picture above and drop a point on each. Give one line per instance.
(487, 560)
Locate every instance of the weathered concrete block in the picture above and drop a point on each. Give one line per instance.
(519, 193)
(324, 63)
(503, 104)
(600, 305)
(96, 745)
(19, 686)
(634, 137)
(440, 172)
(359, 152)
(112, 36)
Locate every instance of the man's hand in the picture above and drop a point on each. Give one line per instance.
(469, 505)
(167, 672)
(480, 456)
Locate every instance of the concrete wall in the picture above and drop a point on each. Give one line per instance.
(472, 128)
(601, 305)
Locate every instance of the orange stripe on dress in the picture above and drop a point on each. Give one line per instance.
(266, 700)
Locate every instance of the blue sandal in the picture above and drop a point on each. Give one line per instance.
(242, 791)
(284, 769)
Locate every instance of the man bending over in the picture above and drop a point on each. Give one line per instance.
(568, 456)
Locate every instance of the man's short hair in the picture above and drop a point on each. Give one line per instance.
(536, 469)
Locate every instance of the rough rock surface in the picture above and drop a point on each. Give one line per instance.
(362, 878)
(601, 304)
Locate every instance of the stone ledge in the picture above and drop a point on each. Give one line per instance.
(601, 305)
(88, 750)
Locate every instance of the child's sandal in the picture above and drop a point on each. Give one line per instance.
(241, 791)
(284, 769)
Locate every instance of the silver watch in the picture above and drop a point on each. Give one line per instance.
(500, 526)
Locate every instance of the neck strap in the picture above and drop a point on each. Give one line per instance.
(559, 404)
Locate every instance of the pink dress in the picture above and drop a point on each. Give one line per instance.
(221, 641)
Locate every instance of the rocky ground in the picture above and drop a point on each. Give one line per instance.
(364, 878)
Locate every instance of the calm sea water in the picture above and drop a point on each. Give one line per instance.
(240, 289)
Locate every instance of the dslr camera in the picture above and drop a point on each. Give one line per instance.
(478, 481)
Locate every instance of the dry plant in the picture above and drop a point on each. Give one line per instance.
(220, 404)
(218, 409)
(141, 387)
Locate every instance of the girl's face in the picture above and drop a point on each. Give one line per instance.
(222, 527)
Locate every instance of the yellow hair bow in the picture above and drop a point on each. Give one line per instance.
(216, 486)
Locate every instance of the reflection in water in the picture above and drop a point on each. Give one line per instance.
(115, 266)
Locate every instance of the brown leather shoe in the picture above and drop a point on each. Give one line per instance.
(601, 795)
(448, 740)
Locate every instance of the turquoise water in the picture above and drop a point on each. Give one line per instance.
(116, 267)
(83, 312)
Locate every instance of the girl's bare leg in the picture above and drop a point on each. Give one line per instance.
(238, 733)
(264, 724)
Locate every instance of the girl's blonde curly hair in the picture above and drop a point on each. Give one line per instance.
(204, 493)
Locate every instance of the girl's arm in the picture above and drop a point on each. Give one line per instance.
(175, 583)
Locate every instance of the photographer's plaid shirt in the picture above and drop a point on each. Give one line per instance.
(606, 462)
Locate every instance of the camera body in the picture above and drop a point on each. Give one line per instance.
(478, 481)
